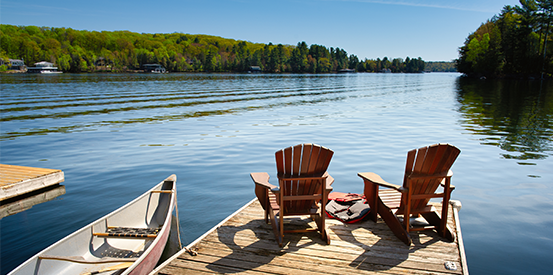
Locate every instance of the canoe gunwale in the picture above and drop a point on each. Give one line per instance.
(81, 260)
(164, 232)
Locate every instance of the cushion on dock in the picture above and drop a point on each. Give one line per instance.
(348, 208)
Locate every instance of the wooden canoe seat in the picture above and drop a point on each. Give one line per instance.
(127, 232)
(162, 191)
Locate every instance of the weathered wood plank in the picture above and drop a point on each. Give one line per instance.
(220, 264)
(357, 233)
(177, 270)
(246, 244)
(330, 259)
(359, 237)
(312, 262)
(337, 250)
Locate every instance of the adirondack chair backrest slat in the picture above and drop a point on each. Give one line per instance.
(428, 166)
(306, 187)
(428, 160)
(301, 160)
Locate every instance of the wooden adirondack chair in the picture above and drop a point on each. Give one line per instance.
(425, 170)
(303, 188)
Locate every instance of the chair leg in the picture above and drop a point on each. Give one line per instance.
(280, 238)
(445, 207)
(434, 219)
(321, 226)
(371, 195)
(324, 233)
(262, 195)
(326, 237)
(393, 223)
(274, 225)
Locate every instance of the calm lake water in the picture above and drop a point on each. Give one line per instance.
(116, 135)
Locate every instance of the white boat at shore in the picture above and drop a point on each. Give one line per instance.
(44, 67)
(129, 240)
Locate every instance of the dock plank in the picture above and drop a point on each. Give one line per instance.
(245, 244)
(19, 180)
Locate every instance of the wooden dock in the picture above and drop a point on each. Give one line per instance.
(20, 180)
(244, 243)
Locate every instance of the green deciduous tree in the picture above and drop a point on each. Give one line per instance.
(513, 43)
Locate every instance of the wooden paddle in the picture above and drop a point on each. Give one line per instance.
(111, 268)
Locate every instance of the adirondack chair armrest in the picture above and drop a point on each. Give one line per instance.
(449, 175)
(376, 179)
(451, 186)
(262, 179)
(329, 181)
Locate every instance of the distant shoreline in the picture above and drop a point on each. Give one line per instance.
(142, 72)
(83, 51)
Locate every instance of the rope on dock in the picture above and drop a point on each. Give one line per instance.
(191, 252)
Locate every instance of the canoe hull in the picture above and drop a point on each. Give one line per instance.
(83, 251)
(149, 262)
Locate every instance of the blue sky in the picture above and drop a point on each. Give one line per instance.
(430, 29)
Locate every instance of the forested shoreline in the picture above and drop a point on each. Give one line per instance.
(123, 51)
(440, 66)
(513, 44)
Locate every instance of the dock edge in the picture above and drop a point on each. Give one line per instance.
(456, 205)
(192, 244)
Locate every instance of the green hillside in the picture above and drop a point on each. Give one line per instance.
(121, 51)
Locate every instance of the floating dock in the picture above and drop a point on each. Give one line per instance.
(244, 243)
(20, 180)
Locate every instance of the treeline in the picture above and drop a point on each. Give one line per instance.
(514, 43)
(119, 51)
(440, 66)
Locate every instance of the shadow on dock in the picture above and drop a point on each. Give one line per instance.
(244, 243)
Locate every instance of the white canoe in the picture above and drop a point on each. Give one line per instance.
(101, 246)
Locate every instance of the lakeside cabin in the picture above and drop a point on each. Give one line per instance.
(103, 64)
(16, 64)
(43, 67)
(153, 68)
(254, 69)
(346, 71)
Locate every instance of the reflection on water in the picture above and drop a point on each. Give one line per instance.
(114, 135)
(25, 203)
(516, 116)
(87, 102)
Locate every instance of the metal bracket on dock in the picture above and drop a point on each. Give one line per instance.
(450, 266)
